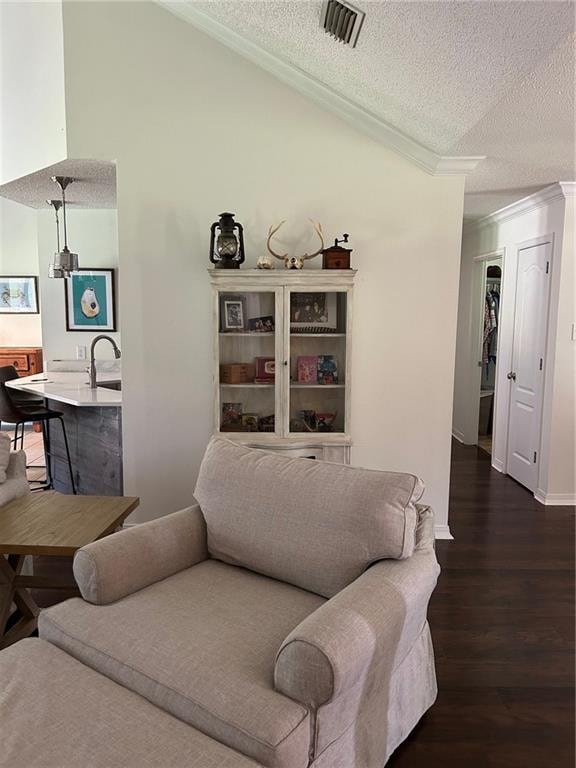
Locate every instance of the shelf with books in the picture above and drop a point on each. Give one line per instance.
(319, 370)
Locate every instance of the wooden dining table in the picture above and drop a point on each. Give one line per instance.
(49, 524)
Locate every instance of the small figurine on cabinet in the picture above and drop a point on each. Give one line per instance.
(264, 262)
(337, 257)
(231, 415)
(324, 421)
(327, 369)
(250, 422)
(266, 423)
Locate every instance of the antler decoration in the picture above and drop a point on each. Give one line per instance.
(271, 232)
(295, 262)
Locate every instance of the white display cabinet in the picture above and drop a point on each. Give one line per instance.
(282, 359)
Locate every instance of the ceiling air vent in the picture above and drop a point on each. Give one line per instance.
(342, 21)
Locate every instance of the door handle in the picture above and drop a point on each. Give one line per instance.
(511, 375)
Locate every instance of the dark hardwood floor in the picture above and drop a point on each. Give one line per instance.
(502, 621)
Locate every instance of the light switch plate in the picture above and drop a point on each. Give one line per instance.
(80, 352)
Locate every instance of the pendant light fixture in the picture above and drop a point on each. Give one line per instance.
(64, 262)
(56, 204)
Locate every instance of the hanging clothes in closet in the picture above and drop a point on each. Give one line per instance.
(491, 313)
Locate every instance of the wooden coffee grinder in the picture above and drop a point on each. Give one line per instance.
(337, 257)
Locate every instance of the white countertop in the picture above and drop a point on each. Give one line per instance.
(71, 388)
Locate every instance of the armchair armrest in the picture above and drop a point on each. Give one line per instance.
(356, 639)
(16, 465)
(118, 565)
(16, 484)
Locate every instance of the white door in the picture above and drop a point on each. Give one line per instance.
(527, 374)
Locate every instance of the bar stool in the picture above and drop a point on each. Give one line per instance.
(23, 399)
(15, 414)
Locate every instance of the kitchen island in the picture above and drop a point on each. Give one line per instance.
(93, 419)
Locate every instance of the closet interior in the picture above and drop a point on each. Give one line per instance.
(491, 308)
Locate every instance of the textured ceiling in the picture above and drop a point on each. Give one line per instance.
(483, 77)
(94, 185)
(528, 137)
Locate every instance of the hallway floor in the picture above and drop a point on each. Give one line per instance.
(502, 621)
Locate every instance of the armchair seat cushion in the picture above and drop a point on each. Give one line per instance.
(201, 645)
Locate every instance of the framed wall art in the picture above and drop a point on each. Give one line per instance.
(19, 295)
(90, 300)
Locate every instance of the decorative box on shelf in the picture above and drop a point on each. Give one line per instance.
(237, 373)
(282, 352)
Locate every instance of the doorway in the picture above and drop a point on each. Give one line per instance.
(509, 309)
(490, 302)
(526, 374)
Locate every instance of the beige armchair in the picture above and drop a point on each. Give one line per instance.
(284, 615)
(16, 484)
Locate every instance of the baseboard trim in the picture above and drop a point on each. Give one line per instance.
(457, 435)
(443, 532)
(555, 499)
(498, 465)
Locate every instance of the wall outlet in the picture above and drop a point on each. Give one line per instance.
(80, 352)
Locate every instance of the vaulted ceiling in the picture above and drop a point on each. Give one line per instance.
(483, 77)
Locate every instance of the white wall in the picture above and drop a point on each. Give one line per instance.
(196, 130)
(559, 483)
(33, 128)
(556, 482)
(18, 256)
(93, 235)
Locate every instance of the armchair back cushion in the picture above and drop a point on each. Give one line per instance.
(309, 523)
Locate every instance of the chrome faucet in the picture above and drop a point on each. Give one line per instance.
(117, 355)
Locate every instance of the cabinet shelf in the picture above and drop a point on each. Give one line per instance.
(296, 385)
(234, 335)
(250, 384)
(319, 335)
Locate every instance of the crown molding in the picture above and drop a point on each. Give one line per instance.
(457, 165)
(557, 191)
(568, 188)
(360, 118)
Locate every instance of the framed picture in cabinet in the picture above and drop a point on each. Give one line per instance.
(313, 312)
(232, 313)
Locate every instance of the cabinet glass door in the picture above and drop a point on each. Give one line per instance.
(317, 386)
(247, 362)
